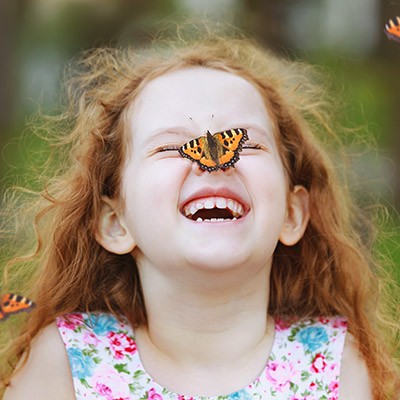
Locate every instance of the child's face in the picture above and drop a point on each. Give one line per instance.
(160, 187)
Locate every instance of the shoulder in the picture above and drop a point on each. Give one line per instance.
(46, 373)
(355, 383)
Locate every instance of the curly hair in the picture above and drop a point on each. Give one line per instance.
(329, 272)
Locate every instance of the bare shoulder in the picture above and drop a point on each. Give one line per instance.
(46, 374)
(355, 383)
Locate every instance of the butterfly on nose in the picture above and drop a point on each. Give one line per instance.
(215, 151)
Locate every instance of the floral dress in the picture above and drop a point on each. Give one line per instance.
(304, 363)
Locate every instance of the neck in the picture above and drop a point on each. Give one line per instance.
(211, 319)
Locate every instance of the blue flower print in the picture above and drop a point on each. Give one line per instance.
(240, 395)
(81, 366)
(312, 337)
(102, 323)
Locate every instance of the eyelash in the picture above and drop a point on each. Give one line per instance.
(253, 146)
(166, 148)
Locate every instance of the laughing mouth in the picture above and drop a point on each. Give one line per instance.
(213, 209)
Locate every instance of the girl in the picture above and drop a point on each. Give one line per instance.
(163, 278)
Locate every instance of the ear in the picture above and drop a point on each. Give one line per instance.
(111, 231)
(297, 216)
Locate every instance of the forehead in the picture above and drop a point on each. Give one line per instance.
(197, 98)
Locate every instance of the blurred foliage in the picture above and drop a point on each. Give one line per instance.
(36, 39)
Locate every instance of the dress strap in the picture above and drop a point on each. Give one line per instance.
(306, 358)
(101, 352)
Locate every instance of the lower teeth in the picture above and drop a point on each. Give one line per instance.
(215, 219)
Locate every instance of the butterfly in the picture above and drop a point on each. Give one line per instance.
(12, 304)
(215, 151)
(392, 30)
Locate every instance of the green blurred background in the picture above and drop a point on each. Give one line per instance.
(346, 37)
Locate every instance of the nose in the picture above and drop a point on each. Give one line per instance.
(199, 171)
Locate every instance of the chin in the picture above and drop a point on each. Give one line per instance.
(217, 261)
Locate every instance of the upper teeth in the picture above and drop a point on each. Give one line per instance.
(213, 202)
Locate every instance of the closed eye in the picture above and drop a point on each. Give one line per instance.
(170, 150)
(256, 146)
(166, 148)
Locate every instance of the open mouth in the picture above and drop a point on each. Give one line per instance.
(213, 209)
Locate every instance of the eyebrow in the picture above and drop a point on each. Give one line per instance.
(259, 130)
(178, 131)
(184, 134)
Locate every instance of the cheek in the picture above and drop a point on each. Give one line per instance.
(265, 174)
(151, 190)
(268, 187)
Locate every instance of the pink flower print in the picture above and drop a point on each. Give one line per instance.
(90, 339)
(319, 364)
(281, 325)
(153, 395)
(333, 370)
(312, 386)
(323, 320)
(71, 321)
(103, 389)
(280, 374)
(121, 344)
(180, 397)
(339, 323)
(334, 387)
(110, 384)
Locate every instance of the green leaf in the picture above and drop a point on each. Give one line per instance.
(305, 375)
(135, 387)
(137, 374)
(121, 368)
(293, 387)
(84, 383)
(293, 334)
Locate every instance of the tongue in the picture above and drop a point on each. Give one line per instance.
(212, 213)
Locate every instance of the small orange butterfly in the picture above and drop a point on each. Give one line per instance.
(392, 30)
(217, 151)
(12, 304)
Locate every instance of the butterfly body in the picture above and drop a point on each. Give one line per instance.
(215, 151)
(392, 29)
(12, 304)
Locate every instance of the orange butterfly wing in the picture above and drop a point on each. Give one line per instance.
(213, 152)
(13, 304)
(231, 142)
(392, 29)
